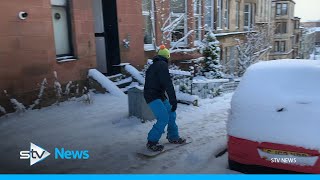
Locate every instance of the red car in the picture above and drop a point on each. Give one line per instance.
(274, 122)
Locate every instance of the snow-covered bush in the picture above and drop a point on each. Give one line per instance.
(19, 107)
(41, 92)
(206, 90)
(68, 88)
(3, 110)
(57, 86)
(210, 67)
(86, 97)
(181, 82)
(186, 84)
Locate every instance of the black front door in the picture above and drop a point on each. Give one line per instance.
(107, 36)
(111, 34)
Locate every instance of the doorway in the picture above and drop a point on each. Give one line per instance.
(107, 36)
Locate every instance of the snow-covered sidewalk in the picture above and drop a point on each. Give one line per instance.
(112, 138)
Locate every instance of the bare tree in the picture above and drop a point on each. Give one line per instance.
(257, 44)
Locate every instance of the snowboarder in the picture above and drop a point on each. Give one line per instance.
(158, 82)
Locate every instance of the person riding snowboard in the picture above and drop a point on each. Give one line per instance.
(158, 83)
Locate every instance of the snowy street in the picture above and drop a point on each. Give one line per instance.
(113, 139)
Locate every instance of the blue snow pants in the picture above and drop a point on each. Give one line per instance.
(162, 111)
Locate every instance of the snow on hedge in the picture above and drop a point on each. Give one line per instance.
(105, 82)
(135, 73)
(19, 107)
(186, 97)
(179, 72)
(278, 102)
(204, 80)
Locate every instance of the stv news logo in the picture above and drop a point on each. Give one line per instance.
(36, 154)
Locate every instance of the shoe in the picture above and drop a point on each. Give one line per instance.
(154, 146)
(177, 141)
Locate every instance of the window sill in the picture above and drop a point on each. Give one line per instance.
(179, 45)
(149, 47)
(66, 59)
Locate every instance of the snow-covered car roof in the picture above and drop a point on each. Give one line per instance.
(278, 102)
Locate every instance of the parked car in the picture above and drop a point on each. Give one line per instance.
(274, 122)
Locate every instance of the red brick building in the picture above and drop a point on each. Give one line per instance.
(38, 37)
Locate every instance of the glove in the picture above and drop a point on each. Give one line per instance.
(174, 107)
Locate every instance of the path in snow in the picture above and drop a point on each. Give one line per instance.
(112, 139)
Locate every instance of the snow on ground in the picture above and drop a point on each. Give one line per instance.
(112, 138)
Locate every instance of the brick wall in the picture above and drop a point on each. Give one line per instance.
(131, 24)
(27, 48)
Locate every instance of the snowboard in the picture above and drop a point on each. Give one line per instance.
(167, 147)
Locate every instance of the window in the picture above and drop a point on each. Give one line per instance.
(276, 46)
(253, 14)
(247, 16)
(280, 46)
(226, 15)
(237, 14)
(282, 9)
(281, 28)
(219, 18)
(178, 9)
(297, 24)
(62, 29)
(208, 13)
(197, 20)
(278, 11)
(148, 16)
